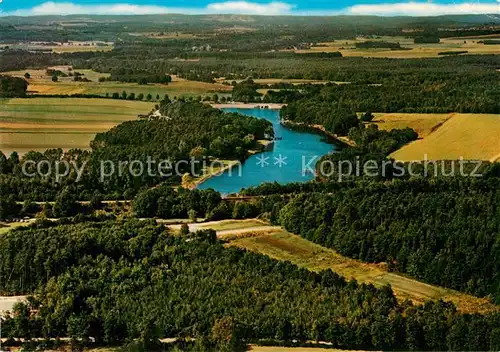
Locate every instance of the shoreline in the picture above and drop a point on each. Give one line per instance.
(342, 140)
(195, 182)
(269, 106)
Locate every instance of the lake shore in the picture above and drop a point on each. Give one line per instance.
(235, 105)
(194, 182)
(343, 141)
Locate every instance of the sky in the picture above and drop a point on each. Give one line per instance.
(250, 7)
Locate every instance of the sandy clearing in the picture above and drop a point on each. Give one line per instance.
(6, 303)
(271, 106)
(255, 348)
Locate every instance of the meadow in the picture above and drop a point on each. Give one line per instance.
(467, 136)
(299, 251)
(409, 49)
(43, 123)
(40, 83)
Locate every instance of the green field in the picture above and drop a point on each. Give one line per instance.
(43, 123)
(226, 225)
(7, 226)
(289, 247)
(409, 49)
(41, 83)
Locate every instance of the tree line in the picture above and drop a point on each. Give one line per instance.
(188, 131)
(12, 87)
(116, 281)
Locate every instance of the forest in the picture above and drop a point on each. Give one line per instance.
(429, 234)
(265, 32)
(185, 131)
(115, 281)
(12, 87)
(109, 274)
(411, 92)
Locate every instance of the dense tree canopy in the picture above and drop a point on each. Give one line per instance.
(192, 133)
(114, 281)
(11, 87)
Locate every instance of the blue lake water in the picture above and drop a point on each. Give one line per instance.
(290, 159)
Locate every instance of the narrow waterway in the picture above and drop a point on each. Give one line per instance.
(291, 159)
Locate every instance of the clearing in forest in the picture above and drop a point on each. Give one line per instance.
(408, 50)
(467, 136)
(299, 251)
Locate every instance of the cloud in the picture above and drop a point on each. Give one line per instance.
(424, 9)
(250, 8)
(236, 7)
(68, 8)
(270, 8)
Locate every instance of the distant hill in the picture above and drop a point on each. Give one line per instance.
(251, 19)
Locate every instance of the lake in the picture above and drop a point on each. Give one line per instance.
(291, 159)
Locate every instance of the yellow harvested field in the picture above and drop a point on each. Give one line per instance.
(299, 251)
(467, 136)
(45, 123)
(347, 47)
(423, 124)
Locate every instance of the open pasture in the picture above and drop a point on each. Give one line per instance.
(423, 124)
(40, 83)
(43, 123)
(467, 136)
(409, 48)
(299, 251)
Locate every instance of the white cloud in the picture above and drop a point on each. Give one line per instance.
(424, 9)
(236, 7)
(250, 8)
(270, 8)
(68, 8)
